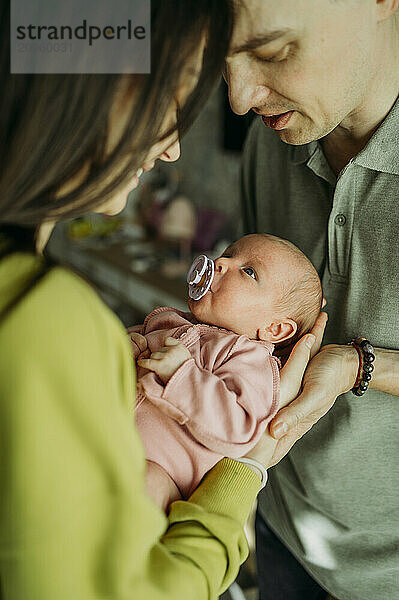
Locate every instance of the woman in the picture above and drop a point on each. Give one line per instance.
(75, 519)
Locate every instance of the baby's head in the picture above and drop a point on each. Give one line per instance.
(264, 287)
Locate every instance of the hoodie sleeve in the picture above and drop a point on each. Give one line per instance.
(227, 409)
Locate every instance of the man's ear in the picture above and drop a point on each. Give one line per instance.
(386, 8)
(278, 331)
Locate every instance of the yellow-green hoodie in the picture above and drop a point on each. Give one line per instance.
(76, 523)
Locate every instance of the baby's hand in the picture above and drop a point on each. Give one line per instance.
(134, 329)
(167, 360)
(139, 344)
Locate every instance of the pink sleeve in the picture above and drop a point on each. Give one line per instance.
(228, 409)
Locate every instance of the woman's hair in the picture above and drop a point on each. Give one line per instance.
(53, 125)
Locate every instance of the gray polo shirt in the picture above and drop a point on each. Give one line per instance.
(334, 500)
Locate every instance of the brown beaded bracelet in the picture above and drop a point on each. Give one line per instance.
(366, 358)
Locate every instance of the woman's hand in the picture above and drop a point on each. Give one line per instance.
(269, 450)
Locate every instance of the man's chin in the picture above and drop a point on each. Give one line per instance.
(309, 132)
(298, 137)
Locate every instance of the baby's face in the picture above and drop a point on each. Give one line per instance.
(246, 287)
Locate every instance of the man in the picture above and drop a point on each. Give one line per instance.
(321, 168)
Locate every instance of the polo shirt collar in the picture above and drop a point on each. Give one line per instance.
(300, 154)
(312, 154)
(381, 152)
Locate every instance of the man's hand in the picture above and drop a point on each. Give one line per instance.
(269, 450)
(330, 373)
(167, 360)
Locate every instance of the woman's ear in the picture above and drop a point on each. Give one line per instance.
(278, 331)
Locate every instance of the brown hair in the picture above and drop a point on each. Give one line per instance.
(302, 296)
(52, 125)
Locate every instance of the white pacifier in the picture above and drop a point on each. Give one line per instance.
(200, 276)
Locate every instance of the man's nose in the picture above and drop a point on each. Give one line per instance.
(245, 89)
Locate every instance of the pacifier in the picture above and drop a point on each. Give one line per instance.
(200, 276)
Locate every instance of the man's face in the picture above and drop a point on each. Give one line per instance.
(310, 59)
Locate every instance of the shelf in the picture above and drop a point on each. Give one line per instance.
(109, 269)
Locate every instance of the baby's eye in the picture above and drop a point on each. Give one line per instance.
(249, 271)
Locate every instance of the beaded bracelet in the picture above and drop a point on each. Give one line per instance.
(366, 357)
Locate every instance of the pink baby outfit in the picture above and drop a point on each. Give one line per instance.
(218, 403)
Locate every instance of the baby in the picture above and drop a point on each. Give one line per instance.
(207, 381)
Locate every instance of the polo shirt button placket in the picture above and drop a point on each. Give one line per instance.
(340, 220)
(341, 224)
